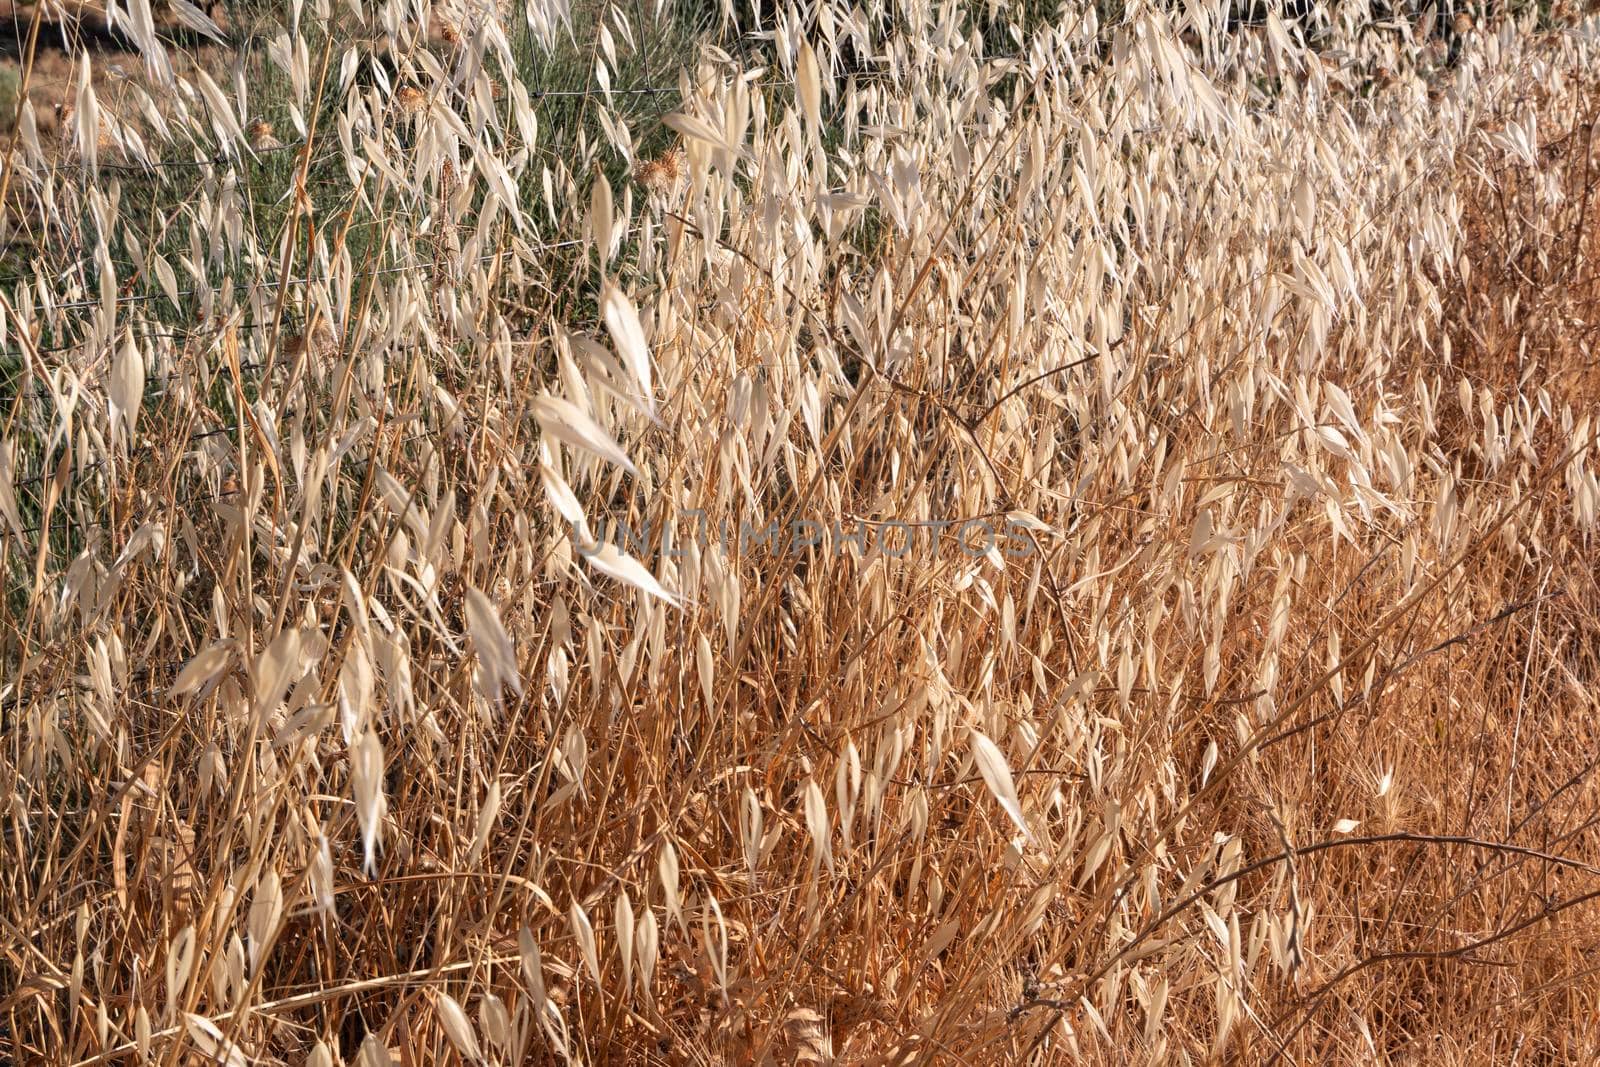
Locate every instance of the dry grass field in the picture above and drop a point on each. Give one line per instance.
(850, 534)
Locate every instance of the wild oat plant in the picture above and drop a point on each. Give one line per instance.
(911, 534)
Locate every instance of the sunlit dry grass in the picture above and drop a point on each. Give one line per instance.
(336, 732)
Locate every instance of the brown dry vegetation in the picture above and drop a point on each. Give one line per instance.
(1267, 734)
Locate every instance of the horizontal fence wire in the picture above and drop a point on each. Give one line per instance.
(227, 159)
(188, 500)
(272, 285)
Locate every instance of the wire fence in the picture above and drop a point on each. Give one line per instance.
(190, 500)
(229, 158)
(253, 285)
(247, 367)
